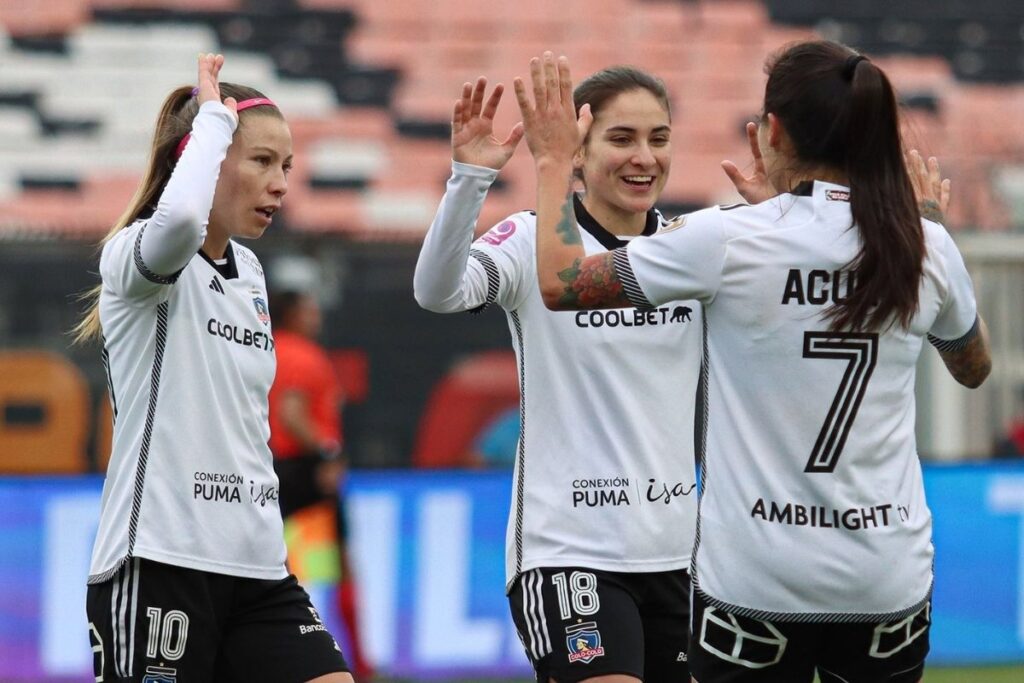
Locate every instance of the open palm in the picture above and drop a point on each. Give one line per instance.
(208, 86)
(473, 140)
(756, 187)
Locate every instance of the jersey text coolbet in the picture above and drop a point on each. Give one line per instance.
(604, 475)
(194, 348)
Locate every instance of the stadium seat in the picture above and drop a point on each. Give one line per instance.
(472, 394)
(45, 421)
(356, 77)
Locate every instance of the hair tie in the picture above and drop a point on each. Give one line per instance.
(850, 66)
(242, 106)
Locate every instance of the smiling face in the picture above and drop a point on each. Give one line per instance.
(626, 158)
(253, 179)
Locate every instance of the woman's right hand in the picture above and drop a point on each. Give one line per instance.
(473, 140)
(756, 187)
(209, 83)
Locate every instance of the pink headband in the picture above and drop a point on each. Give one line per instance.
(242, 106)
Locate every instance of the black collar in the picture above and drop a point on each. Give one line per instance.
(608, 240)
(805, 188)
(229, 270)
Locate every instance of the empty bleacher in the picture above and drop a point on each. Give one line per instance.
(368, 88)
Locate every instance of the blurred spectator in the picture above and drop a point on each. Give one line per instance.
(306, 436)
(1011, 443)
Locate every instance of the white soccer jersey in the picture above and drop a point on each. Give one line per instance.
(604, 474)
(813, 505)
(190, 361)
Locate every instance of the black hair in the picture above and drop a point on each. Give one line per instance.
(598, 88)
(839, 110)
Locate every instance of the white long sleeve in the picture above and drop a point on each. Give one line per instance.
(446, 280)
(177, 228)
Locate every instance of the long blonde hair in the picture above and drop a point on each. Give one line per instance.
(172, 124)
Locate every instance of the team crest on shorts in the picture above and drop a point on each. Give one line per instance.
(262, 312)
(584, 641)
(160, 674)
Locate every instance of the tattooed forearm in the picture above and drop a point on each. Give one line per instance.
(566, 227)
(973, 363)
(592, 283)
(930, 209)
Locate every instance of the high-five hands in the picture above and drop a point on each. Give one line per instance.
(209, 85)
(756, 187)
(553, 131)
(473, 140)
(931, 190)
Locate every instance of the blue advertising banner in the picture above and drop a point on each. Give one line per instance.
(428, 548)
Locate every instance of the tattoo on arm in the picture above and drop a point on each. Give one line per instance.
(971, 364)
(593, 282)
(930, 209)
(566, 227)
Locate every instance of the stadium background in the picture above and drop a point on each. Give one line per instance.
(367, 86)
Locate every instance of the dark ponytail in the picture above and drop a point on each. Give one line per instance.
(839, 109)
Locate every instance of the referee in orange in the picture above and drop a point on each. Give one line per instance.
(306, 435)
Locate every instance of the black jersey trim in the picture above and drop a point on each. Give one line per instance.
(805, 188)
(700, 435)
(601, 234)
(816, 617)
(493, 279)
(228, 270)
(147, 435)
(520, 453)
(956, 344)
(105, 356)
(624, 270)
(144, 269)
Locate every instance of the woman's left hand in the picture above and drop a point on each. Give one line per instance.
(931, 190)
(553, 132)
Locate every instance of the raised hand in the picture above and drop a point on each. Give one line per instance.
(209, 83)
(473, 140)
(756, 187)
(931, 190)
(553, 131)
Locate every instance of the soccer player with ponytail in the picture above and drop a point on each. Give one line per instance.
(188, 579)
(813, 551)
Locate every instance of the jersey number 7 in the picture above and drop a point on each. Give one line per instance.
(860, 351)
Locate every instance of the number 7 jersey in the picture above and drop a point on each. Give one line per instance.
(812, 504)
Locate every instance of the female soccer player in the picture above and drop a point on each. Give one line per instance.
(188, 580)
(601, 527)
(814, 540)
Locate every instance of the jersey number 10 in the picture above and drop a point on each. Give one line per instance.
(860, 351)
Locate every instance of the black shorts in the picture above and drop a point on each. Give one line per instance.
(156, 623)
(725, 648)
(576, 623)
(298, 489)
